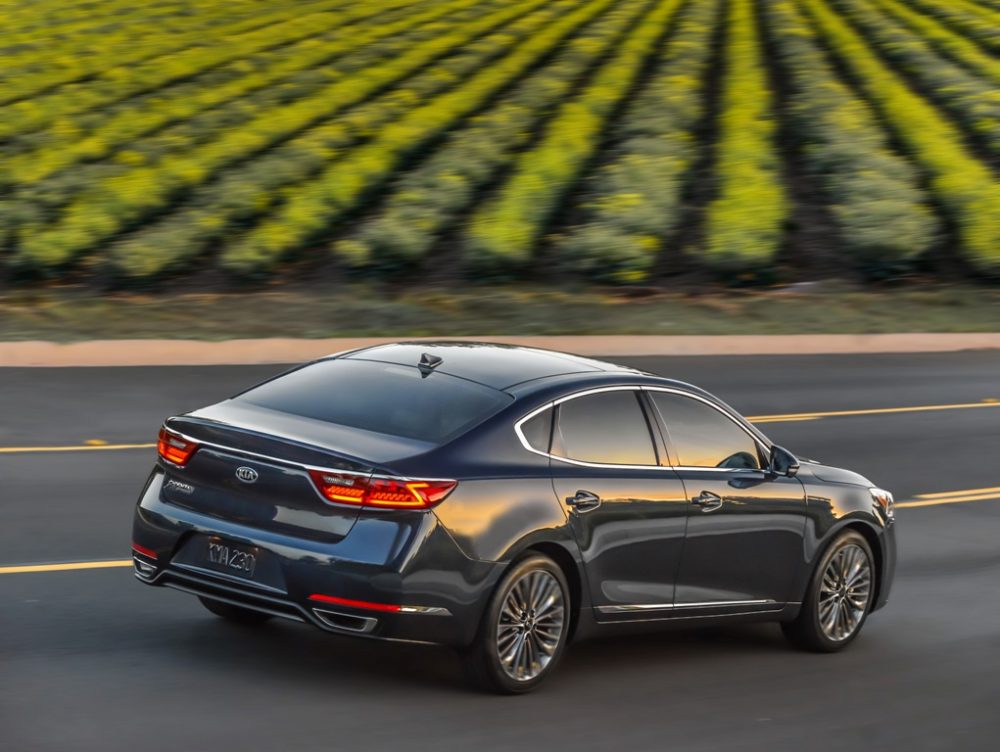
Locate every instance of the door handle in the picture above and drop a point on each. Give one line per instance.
(584, 501)
(708, 501)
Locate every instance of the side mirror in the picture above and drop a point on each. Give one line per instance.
(782, 462)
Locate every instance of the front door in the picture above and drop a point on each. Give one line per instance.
(627, 512)
(745, 528)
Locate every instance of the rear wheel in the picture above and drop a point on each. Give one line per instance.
(839, 597)
(524, 629)
(233, 613)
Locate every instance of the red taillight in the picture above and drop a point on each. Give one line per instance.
(385, 493)
(173, 448)
(320, 598)
(148, 552)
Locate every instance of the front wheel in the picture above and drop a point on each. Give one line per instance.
(524, 629)
(839, 597)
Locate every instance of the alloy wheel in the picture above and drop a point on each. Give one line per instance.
(845, 592)
(530, 625)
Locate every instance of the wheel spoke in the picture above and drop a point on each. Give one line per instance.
(844, 592)
(530, 625)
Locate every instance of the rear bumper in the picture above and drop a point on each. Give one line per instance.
(407, 561)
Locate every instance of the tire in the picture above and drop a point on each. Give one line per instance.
(235, 614)
(540, 627)
(834, 610)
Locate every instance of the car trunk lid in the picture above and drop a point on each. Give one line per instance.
(252, 465)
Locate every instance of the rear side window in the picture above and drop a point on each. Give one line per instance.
(607, 428)
(537, 431)
(704, 437)
(382, 397)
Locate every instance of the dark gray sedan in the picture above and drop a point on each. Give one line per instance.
(503, 500)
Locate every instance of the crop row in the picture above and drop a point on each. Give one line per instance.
(134, 75)
(82, 42)
(502, 233)
(432, 197)
(744, 222)
(59, 148)
(243, 193)
(873, 194)
(953, 44)
(975, 21)
(123, 200)
(29, 50)
(632, 204)
(962, 184)
(40, 202)
(322, 202)
(974, 101)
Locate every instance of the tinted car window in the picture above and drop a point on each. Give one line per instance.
(702, 436)
(538, 431)
(607, 428)
(383, 397)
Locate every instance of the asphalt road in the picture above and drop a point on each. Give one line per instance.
(92, 660)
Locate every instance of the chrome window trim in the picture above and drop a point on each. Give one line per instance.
(635, 388)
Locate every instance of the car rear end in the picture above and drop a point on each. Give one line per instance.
(285, 500)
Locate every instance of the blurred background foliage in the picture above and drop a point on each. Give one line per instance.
(620, 141)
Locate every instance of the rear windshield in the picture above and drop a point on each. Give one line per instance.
(391, 399)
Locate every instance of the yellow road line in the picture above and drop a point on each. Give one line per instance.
(995, 490)
(872, 411)
(76, 448)
(938, 502)
(66, 567)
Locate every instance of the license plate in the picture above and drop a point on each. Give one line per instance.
(237, 560)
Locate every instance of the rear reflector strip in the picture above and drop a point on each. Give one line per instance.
(390, 607)
(387, 607)
(147, 552)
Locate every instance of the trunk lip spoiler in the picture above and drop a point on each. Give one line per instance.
(301, 465)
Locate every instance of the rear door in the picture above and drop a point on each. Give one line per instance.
(745, 530)
(626, 510)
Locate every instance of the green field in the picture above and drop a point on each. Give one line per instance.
(622, 141)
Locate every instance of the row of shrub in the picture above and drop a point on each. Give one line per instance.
(873, 194)
(241, 194)
(112, 27)
(120, 202)
(502, 233)
(38, 104)
(969, 18)
(953, 44)
(343, 184)
(974, 101)
(634, 202)
(744, 223)
(962, 184)
(433, 196)
(59, 147)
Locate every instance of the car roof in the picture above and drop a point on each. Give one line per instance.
(495, 365)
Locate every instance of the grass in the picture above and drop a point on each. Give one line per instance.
(68, 314)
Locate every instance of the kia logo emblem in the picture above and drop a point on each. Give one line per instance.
(246, 474)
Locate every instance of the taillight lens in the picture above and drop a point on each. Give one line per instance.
(384, 493)
(174, 448)
(340, 487)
